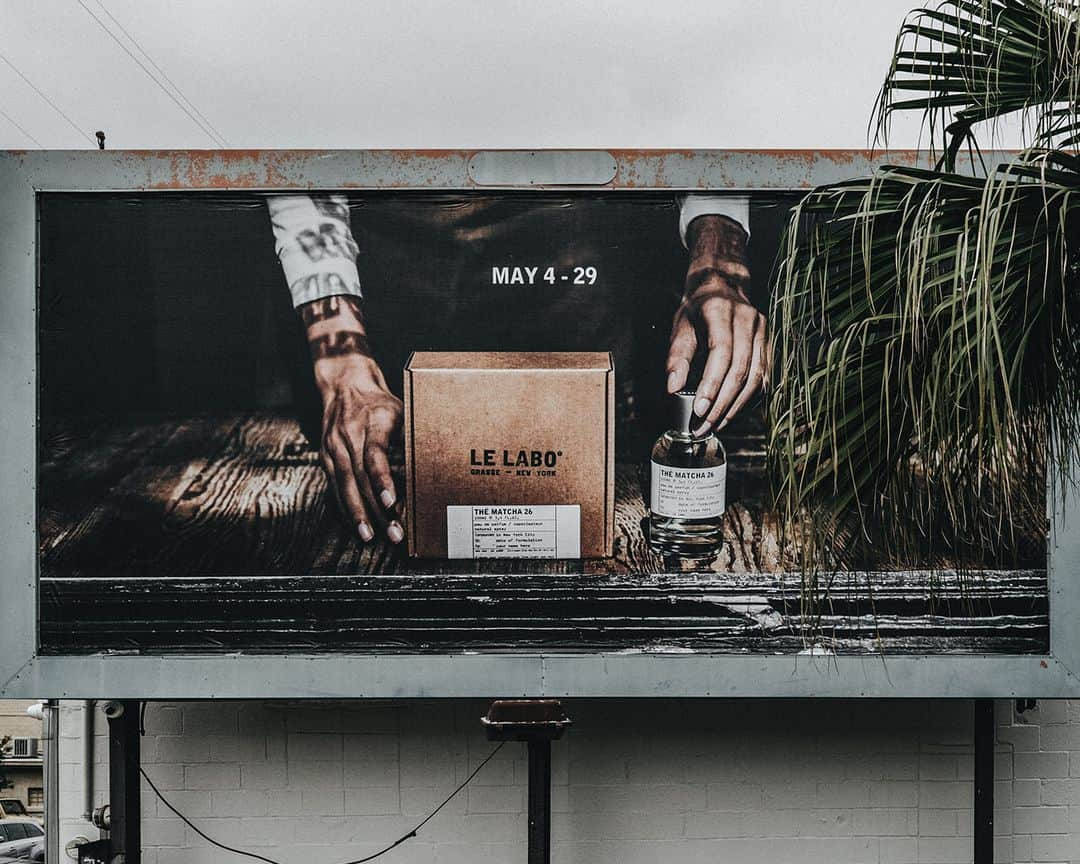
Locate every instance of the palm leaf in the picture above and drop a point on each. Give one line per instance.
(924, 333)
(967, 61)
(924, 327)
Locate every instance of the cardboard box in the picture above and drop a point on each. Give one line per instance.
(510, 455)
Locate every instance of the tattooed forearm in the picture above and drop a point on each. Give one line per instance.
(717, 247)
(335, 327)
(716, 237)
(735, 273)
(339, 344)
(330, 307)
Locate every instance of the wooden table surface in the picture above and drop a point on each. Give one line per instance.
(216, 532)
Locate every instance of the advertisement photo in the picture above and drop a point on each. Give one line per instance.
(560, 390)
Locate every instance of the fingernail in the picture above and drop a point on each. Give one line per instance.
(387, 498)
(721, 424)
(365, 532)
(701, 430)
(701, 407)
(672, 381)
(395, 533)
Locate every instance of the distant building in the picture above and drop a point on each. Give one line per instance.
(20, 759)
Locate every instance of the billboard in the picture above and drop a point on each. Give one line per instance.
(385, 424)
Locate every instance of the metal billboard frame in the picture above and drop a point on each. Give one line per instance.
(25, 673)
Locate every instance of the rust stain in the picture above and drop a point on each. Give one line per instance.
(401, 168)
(632, 155)
(649, 168)
(221, 169)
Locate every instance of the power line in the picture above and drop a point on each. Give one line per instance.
(379, 854)
(433, 813)
(11, 120)
(162, 73)
(48, 101)
(150, 75)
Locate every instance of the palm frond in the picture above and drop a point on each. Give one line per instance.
(924, 336)
(967, 61)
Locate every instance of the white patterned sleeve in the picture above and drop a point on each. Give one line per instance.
(315, 245)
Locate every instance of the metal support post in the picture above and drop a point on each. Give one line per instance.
(984, 781)
(125, 835)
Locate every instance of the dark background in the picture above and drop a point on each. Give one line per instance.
(166, 304)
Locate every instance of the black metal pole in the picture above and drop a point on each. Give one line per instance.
(539, 801)
(984, 781)
(125, 835)
(538, 722)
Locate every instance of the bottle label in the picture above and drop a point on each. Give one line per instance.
(513, 531)
(687, 493)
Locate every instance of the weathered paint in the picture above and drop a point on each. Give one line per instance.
(439, 169)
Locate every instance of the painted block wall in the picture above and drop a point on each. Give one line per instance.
(783, 782)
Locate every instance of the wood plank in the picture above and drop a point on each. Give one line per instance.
(215, 532)
(119, 491)
(696, 610)
(246, 495)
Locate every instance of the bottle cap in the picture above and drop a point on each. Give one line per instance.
(684, 411)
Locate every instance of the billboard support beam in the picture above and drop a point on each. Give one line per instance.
(125, 834)
(539, 801)
(537, 722)
(984, 781)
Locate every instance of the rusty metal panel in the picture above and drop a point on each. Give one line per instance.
(149, 170)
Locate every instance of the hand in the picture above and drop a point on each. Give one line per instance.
(715, 310)
(360, 417)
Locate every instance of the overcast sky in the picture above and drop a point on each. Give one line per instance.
(460, 73)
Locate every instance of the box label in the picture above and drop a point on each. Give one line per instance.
(513, 531)
(687, 493)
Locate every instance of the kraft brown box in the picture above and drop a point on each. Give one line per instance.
(510, 455)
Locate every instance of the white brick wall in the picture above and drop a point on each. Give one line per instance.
(709, 781)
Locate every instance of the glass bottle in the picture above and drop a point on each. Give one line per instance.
(688, 480)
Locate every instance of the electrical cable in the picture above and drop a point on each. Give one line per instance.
(194, 828)
(48, 101)
(378, 854)
(162, 73)
(150, 75)
(433, 813)
(11, 120)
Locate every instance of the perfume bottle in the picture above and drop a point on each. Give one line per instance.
(686, 496)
